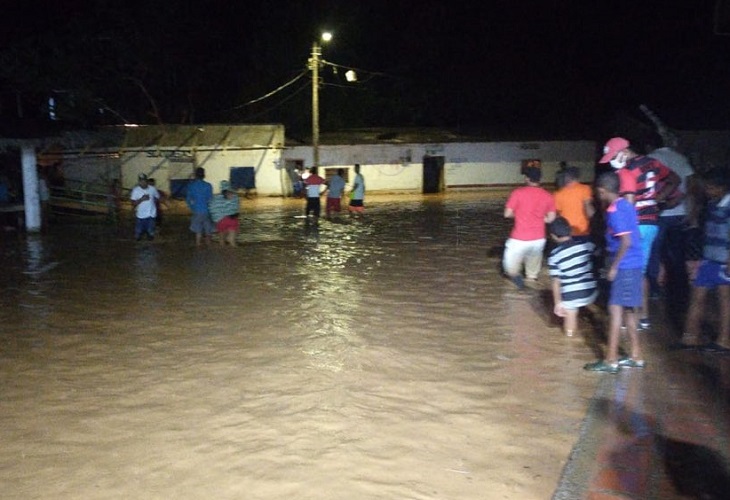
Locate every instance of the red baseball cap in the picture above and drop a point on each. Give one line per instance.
(612, 148)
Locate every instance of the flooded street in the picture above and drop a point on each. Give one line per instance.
(382, 358)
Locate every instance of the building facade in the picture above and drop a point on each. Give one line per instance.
(258, 159)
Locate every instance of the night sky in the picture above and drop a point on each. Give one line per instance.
(537, 68)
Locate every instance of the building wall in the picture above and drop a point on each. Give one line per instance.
(97, 170)
(399, 167)
(386, 167)
(165, 165)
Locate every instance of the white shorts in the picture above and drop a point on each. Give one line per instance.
(520, 252)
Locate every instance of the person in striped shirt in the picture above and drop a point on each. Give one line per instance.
(571, 271)
(714, 270)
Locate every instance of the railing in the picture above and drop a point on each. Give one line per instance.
(85, 198)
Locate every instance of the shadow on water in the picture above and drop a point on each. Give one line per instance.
(695, 471)
(542, 304)
(715, 377)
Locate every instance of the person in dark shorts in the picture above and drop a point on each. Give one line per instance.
(313, 184)
(623, 245)
(713, 272)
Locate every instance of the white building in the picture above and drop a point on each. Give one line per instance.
(255, 157)
(431, 161)
(248, 155)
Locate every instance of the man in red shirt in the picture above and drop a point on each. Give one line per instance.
(531, 207)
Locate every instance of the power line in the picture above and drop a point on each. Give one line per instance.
(374, 73)
(280, 103)
(273, 92)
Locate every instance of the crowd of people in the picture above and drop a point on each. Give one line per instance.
(334, 189)
(666, 229)
(220, 213)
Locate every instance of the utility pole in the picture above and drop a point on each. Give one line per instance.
(314, 62)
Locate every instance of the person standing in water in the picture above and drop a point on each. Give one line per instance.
(531, 207)
(357, 195)
(571, 274)
(335, 187)
(313, 184)
(200, 194)
(143, 198)
(224, 211)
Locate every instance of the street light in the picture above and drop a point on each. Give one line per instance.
(314, 63)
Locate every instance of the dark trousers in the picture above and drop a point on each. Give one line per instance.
(669, 249)
(314, 205)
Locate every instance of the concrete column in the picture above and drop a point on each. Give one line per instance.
(30, 190)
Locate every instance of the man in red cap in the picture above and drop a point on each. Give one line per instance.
(647, 183)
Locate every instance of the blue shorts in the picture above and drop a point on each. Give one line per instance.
(201, 224)
(626, 288)
(711, 274)
(144, 226)
(648, 235)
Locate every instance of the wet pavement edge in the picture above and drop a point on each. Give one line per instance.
(580, 467)
(662, 432)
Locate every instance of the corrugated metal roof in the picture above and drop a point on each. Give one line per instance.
(413, 135)
(205, 136)
(382, 136)
(172, 136)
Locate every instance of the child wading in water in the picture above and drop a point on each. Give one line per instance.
(571, 273)
(623, 244)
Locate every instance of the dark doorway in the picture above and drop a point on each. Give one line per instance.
(243, 178)
(433, 172)
(294, 170)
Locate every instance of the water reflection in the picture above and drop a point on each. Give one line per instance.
(35, 259)
(146, 268)
(376, 356)
(38, 267)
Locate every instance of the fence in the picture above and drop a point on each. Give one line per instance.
(85, 198)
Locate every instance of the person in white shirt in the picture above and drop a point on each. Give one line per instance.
(143, 199)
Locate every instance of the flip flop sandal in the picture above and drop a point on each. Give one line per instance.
(602, 366)
(631, 363)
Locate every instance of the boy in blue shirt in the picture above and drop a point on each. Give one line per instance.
(623, 245)
(714, 269)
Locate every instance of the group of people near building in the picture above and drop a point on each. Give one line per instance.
(210, 213)
(656, 213)
(334, 189)
(219, 213)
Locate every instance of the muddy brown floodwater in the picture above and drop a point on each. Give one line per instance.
(382, 358)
